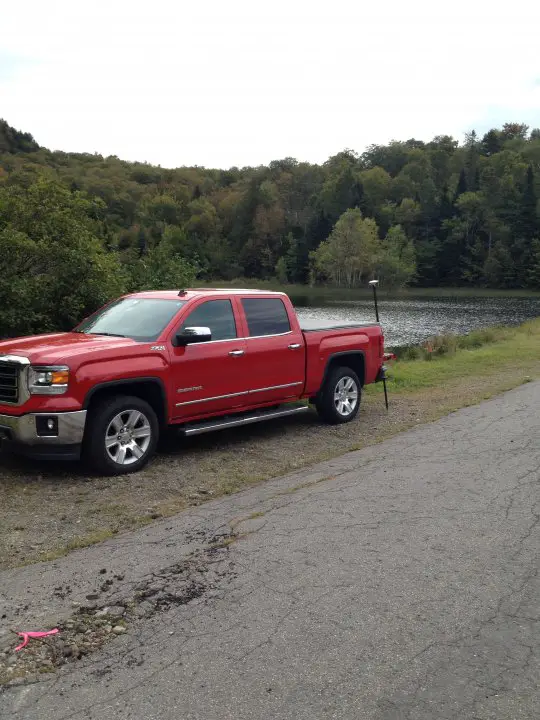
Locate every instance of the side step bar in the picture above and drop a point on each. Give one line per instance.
(236, 421)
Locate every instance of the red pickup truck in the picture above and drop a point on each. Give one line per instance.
(199, 359)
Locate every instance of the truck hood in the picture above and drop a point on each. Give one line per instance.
(59, 348)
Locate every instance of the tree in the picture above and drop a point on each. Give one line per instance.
(491, 143)
(529, 215)
(296, 259)
(342, 189)
(514, 130)
(350, 252)
(397, 259)
(466, 208)
(281, 271)
(533, 272)
(462, 184)
(376, 184)
(162, 269)
(53, 268)
(15, 141)
(471, 161)
(499, 268)
(408, 213)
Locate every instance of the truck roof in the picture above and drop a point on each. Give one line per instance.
(189, 293)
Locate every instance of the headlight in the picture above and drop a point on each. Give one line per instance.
(48, 380)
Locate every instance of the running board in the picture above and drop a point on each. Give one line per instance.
(253, 417)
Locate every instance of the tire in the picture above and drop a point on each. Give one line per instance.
(115, 419)
(339, 399)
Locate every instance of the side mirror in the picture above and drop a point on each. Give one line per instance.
(191, 335)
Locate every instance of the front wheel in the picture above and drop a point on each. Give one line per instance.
(121, 436)
(339, 399)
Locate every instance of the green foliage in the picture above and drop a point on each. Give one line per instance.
(53, 268)
(351, 251)
(533, 273)
(397, 259)
(449, 344)
(281, 271)
(470, 214)
(14, 141)
(161, 269)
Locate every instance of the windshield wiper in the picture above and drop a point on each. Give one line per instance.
(108, 334)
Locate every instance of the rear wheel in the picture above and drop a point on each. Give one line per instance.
(339, 399)
(121, 436)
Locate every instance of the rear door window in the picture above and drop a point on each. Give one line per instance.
(266, 316)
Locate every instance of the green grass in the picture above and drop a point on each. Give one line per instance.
(481, 353)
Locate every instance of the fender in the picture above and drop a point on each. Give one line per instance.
(128, 381)
(348, 353)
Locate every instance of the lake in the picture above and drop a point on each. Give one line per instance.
(410, 321)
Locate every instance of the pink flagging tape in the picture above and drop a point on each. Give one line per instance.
(27, 635)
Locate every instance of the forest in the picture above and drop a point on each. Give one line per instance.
(77, 228)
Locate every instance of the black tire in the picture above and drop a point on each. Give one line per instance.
(131, 411)
(332, 410)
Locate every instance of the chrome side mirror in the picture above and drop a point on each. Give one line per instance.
(192, 335)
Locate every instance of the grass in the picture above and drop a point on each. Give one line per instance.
(481, 353)
(77, 544)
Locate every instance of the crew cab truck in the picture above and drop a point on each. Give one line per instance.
(200, 359)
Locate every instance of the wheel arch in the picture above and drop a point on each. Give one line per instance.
(353, 359)
(150, 389)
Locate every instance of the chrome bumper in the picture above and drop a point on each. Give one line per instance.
(22, 430)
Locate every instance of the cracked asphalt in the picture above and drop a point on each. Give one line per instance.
(397, 582)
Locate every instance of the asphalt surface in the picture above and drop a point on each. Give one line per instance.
(400, 581)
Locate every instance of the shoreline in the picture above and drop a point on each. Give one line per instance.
(365, 292)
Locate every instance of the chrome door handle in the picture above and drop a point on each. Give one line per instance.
(236, 353)
(294, 346)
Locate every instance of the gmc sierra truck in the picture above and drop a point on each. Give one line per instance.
(198, 359)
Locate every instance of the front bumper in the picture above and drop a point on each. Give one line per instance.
(21, 434)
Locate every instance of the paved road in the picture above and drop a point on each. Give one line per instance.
(399, 582)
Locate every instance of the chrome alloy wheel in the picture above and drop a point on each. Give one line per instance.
(346, 396)
(128, 437)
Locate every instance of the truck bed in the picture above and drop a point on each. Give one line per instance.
(314, 325)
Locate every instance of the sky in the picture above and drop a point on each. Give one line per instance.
(242, 82)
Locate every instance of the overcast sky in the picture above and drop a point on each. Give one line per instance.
(242, 82)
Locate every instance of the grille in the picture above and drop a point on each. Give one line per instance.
(9, 382)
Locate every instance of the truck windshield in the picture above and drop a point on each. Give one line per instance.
(141, 319)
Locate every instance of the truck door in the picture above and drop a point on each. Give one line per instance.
(275, 354)
(209, 377)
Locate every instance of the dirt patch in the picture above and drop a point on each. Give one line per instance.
(48, 510)
(102, 619)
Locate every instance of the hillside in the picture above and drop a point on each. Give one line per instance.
(448, 214)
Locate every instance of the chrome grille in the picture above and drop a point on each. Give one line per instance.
(9, 382)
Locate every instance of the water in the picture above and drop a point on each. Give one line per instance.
(411, 321)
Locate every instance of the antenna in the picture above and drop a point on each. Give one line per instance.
(373, 284)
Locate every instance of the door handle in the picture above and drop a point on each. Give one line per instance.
(294, 346)
(236, 353)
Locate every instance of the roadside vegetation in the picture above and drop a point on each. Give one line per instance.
(484, 352)
(49, 510)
